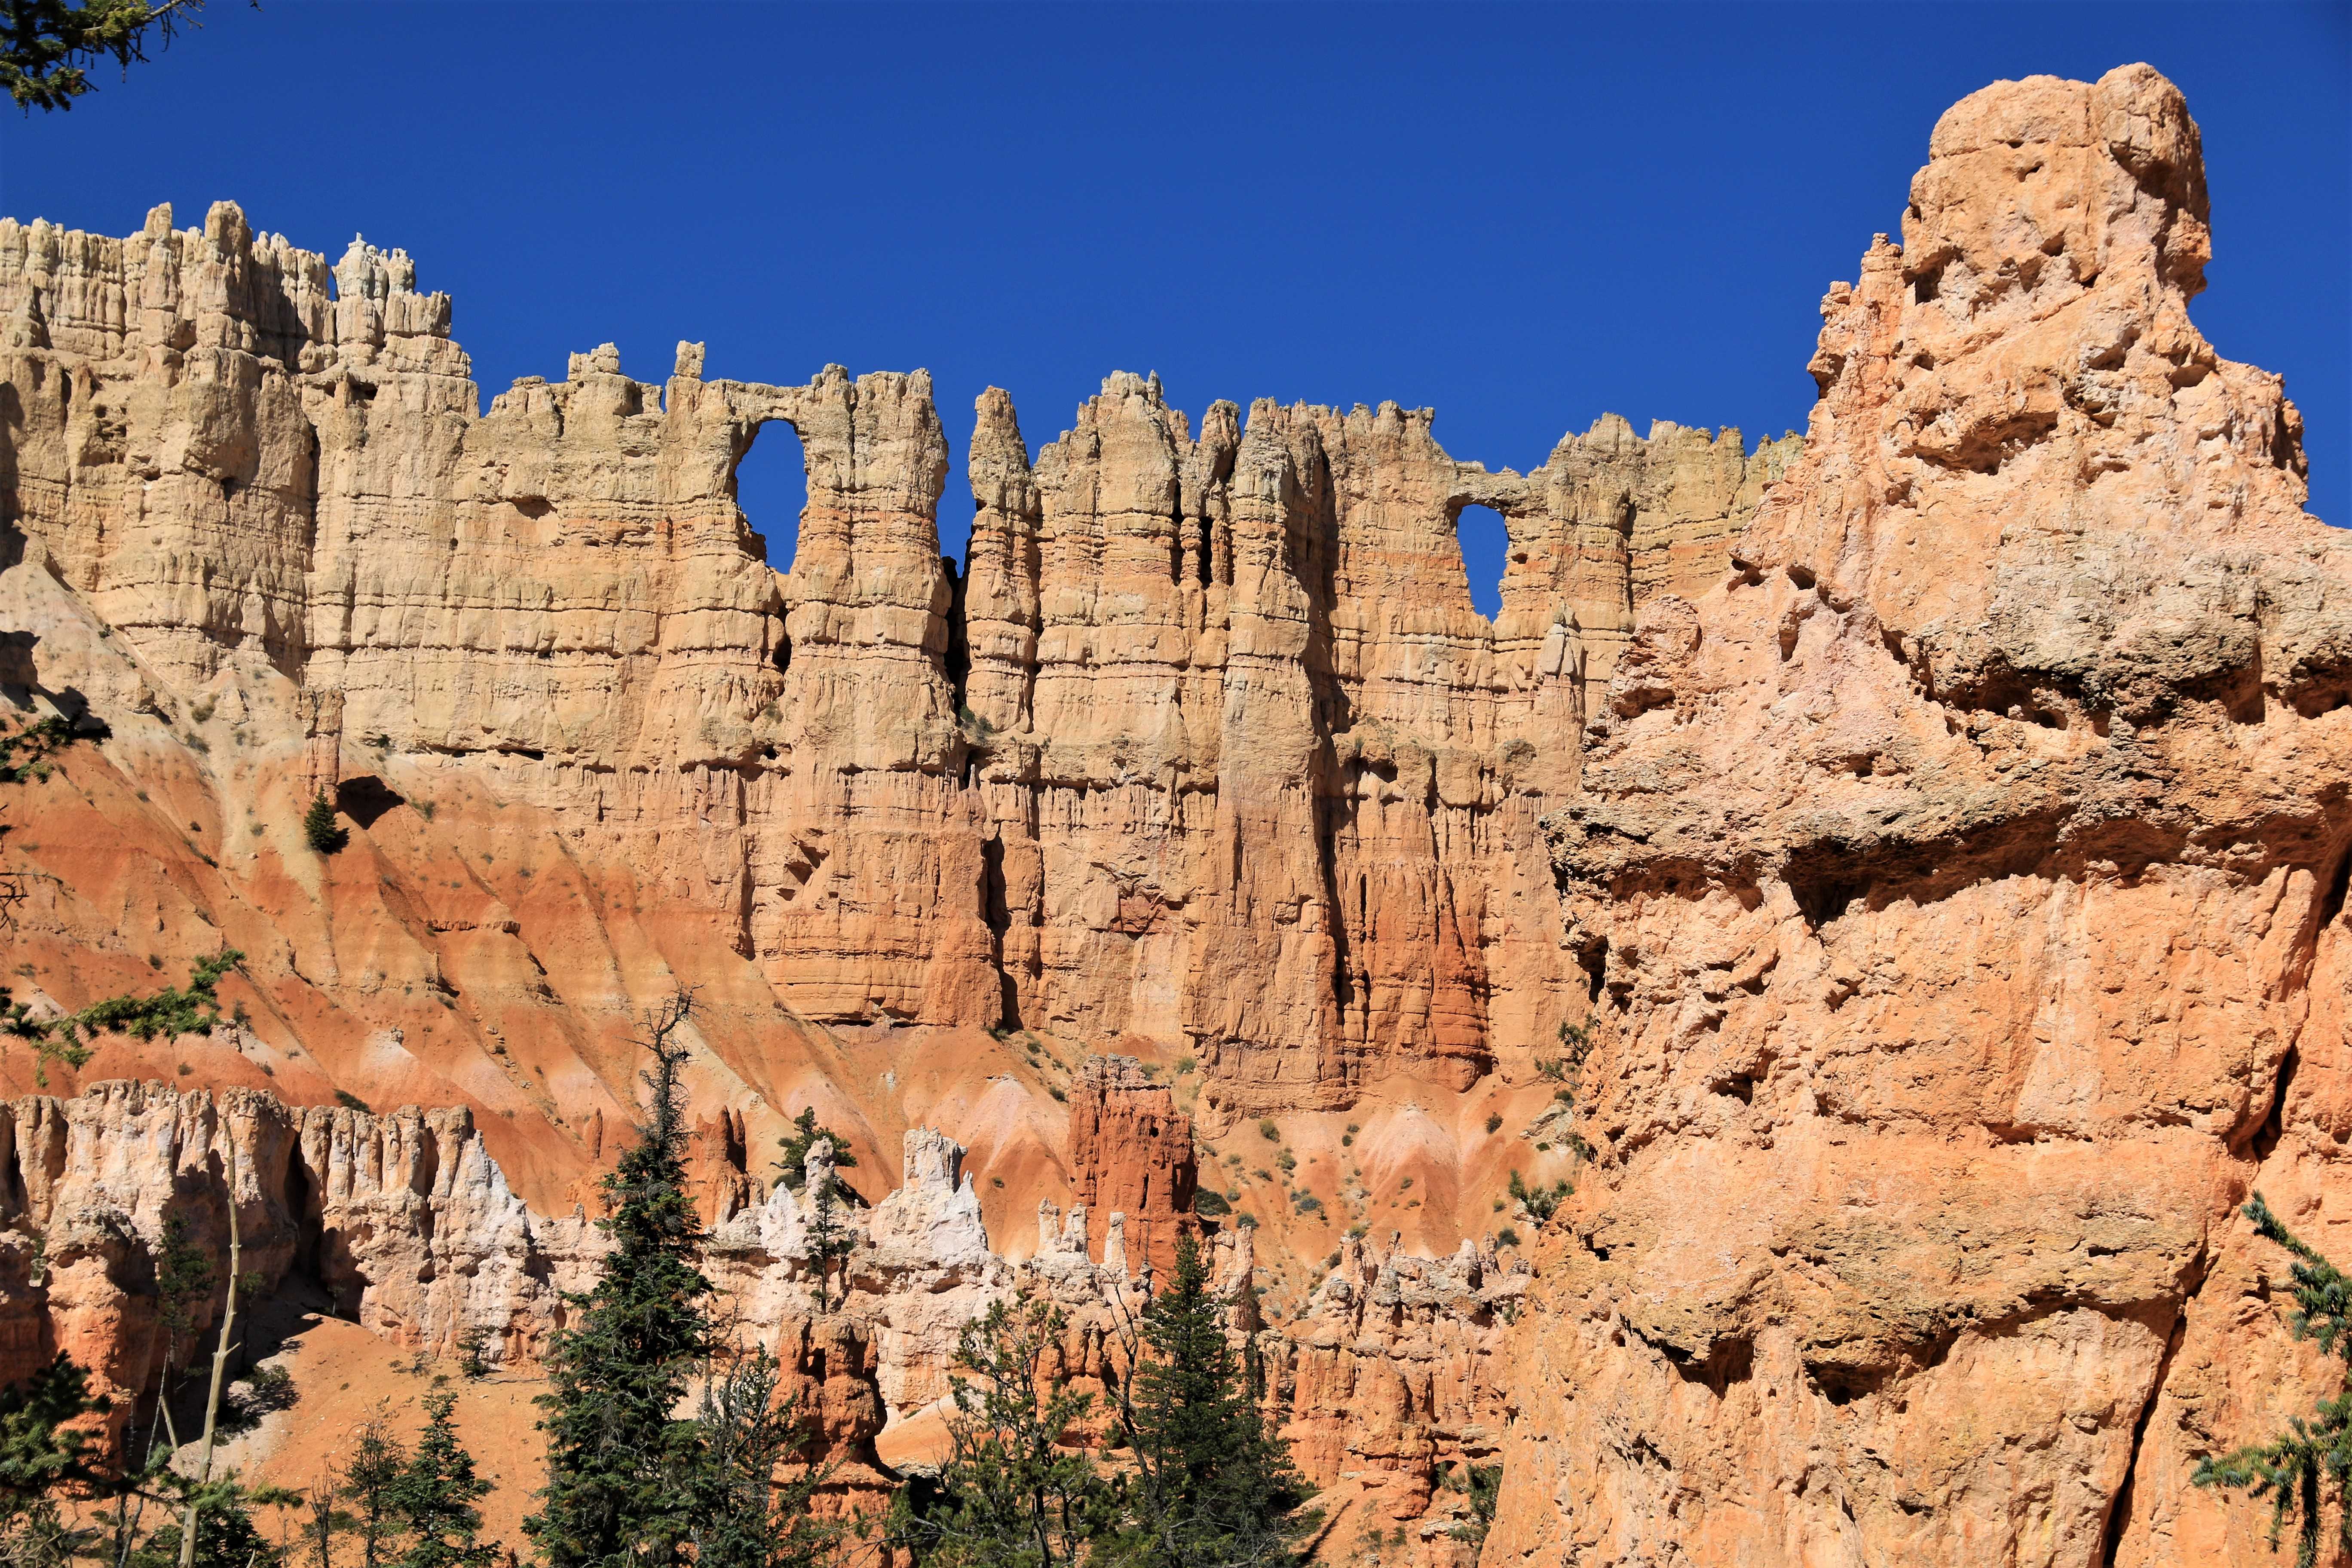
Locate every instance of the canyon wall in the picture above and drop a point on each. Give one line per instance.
(1898, 877)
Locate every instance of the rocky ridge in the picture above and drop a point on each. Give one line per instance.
(2000, 951)
(1199, 708)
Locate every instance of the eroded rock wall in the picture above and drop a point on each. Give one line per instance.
(1206, 718)
(405, 1223)
(1961, 891)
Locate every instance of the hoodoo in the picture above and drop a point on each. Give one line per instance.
(1762, 1042)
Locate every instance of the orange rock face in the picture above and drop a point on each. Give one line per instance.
(1131, 1155)
(1961, 885)
(1912, 858)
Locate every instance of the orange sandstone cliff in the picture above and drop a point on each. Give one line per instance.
(1898, 876)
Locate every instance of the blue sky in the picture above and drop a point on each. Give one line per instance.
(1521, 216)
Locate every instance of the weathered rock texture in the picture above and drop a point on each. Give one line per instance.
(1923, 850)
(1961, 888)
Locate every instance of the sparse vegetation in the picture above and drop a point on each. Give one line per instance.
(1539, 1204)
(1479, 1485)
(26, 748)
(169, 1013)
(2300, 1469)
(473, 1345)
(50, 44)
(1269, 1131)
(1494, 1122)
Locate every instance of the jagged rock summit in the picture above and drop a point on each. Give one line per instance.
(1897, 879)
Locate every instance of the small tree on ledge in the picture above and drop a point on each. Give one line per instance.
(319, 829)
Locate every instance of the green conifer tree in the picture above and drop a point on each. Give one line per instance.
(365, 1482)
(1012, 1495)
(791, 1162)
(433, 1496)
(1215, 1489)
(621, 1465)
(830, 1238)
(319, 829)
(2298, 1468)
(753, 1511)
(47, 44)
(42, 1455)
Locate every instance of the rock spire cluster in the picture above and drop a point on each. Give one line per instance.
(1888, 889)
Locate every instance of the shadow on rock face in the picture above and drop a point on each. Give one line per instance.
(365, 798)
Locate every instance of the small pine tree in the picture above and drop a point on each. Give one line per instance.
(1540, 1204)
(320, 831)
(830, 1236)
(42, 1458)
(747, 1514)
(1012, 1495)
(620, 1464)
(226, 1533)
(377, 1461)
(2313, 1458)
(433, 1496)
(184, 1277)
(792, 1163)
(326, 1520)
(1216, 1486)
(473, 1352)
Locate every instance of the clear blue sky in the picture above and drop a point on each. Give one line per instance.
(1521, 216)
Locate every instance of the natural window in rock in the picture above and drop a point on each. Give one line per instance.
(1486, 541)
(772, 487)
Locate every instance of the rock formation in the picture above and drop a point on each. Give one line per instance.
(1131, 1155)
(1961, 887)
(1199, 710)
(405, 1223)
(1911, 860)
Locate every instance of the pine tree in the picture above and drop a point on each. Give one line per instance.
(48, 45)
(326, 1521)
(377, 1461)
(1215, 1488)
(621, 1466)
(433, 1496)
(831, 1240)
(1012, 1495)
(792, 1163)
(748, 1516)
(42, 1456)
(226, 1537)
(184, 1277)
(2311, 1458)
(319, 829)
